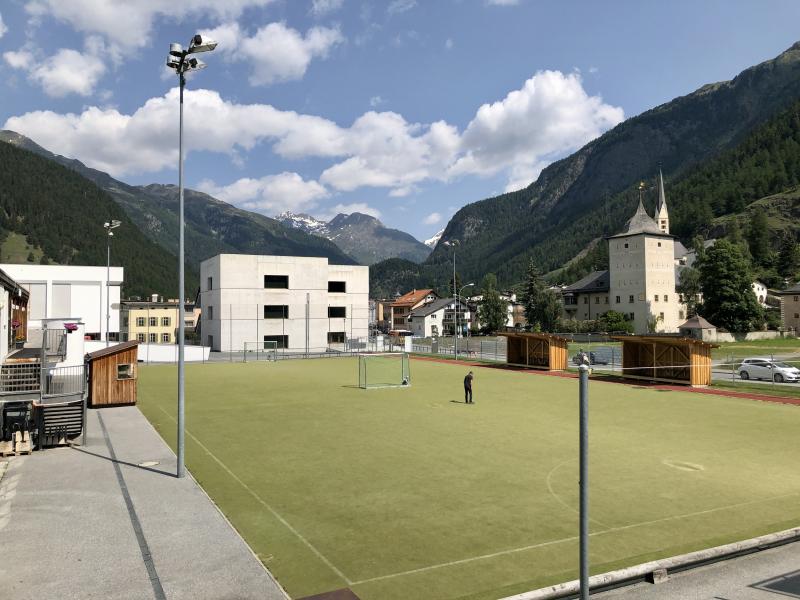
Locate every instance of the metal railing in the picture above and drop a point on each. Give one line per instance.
(64, 382)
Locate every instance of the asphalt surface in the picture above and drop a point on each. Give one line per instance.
(768, 575)
(91, 523)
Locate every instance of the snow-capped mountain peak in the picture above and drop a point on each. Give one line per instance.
(303, 222)
(431, 242)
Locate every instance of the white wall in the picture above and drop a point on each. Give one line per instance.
(238, 298)
(161, 353)
(76, 290)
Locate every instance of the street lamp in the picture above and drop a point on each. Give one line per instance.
(109, 225)
(453, 244)
(179, 60)
(456, 315)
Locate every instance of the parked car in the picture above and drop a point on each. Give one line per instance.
(765, 368)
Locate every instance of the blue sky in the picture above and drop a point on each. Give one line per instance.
(404, 109)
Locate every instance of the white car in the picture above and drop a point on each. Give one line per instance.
(765, 368)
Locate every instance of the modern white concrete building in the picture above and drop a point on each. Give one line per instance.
(71, 291)
(301, 303)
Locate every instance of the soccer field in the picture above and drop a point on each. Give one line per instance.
(402, 493)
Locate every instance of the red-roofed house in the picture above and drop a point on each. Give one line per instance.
(403, 306)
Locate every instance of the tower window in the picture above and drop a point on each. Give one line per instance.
(626, 245)
(630, 299)
(656, 297)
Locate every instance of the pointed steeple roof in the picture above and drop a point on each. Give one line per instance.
(662, 198)
(640, 222)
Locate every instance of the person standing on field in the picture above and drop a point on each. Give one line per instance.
(468, 388)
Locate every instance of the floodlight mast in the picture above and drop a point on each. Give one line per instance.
(108, 226)
(177, 59)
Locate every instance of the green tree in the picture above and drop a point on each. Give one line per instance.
(31, 257)
(689, 289)
(789, 257)
(758, 239)
(615, 322)
(542, 306)
(493, 310)
(726, 280)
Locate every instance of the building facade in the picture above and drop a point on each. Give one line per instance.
(154, 322)
(402, 306)
(439, 317)
(790, 308)
(72, 291)
(297, 303)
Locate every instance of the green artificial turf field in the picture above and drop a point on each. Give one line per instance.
(409, 493)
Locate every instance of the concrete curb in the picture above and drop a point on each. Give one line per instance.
(658, 569)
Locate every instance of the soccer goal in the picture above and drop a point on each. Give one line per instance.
(260, 351)
(390, 369)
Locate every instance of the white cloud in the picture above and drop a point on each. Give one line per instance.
(348, 209)
(269, 195)
(548, 117)
(321, 8)
(400, 6)
(551, 114)
(432, 219)
(3, 28)
(275, 52)
(19, 59)
(129, 24)
(65, 72)
(376, 101)
(448, 44)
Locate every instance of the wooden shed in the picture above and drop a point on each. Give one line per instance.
(537, 350)
(666, 358)
(112, 375)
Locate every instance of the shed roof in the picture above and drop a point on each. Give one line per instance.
(112, 350)
(697, 322)
(533, 335)
(674, 340)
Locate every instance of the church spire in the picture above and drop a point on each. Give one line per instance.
(662, 215)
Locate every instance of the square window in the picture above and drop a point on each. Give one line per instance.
(140, 337)
(338, 287)
(210, 313)
(618, 300)
(656, 297)
(630, 299)
(276, 282)
(276, 311)
(140, 321)
(165, 321)
(659, 244)
(661, 316)
(626, 245)
(597, 299)
(165, 338)
(282, 341)
(666, 298)
(125, 371)
(153, 338)
(125, 322)
(153, 321)
(210, 283)
(336, 337)
(337, 312)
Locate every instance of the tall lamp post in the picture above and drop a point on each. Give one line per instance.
(456, 314)
(109, 225)
(453, 244)
(179, 60)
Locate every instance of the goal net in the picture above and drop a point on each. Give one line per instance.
(260, 351)
(383, 370)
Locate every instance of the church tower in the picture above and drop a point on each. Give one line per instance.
(662, 216)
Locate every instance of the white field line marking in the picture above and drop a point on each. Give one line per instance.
(568, 539)
(264, 504)
(563, 502)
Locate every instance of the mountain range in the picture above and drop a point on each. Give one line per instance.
(592, 192)
(361, 236)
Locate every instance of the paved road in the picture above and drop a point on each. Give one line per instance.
(91, 523)
(769, 575)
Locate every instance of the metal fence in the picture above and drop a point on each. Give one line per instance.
(20, 378)
(63, 383)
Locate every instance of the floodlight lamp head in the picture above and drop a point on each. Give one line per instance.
(195, 65)
(175, 50)
(173, 63)
(201, 43)
(115, 223)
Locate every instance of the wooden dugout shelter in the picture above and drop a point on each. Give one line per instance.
(665, 358)
(536, 350)
(113, 372)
